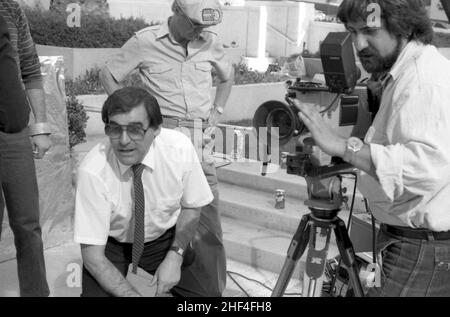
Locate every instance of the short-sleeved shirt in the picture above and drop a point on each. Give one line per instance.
(181, 81)
(173, 179)
(410, 143)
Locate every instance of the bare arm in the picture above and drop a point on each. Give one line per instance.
(169, 271)
(186, 227)
(108, 81)
(223, 90)
(36, 98)
(105, 273)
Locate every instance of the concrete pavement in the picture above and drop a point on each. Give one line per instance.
(63, 264)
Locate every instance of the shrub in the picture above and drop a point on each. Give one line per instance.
(96, 31)
(244, 76)
(88, 84)
(77, 119)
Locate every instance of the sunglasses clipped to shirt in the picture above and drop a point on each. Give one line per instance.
(135, 131)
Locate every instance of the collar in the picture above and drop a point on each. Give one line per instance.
(164, 30)
(148, 161)
(412, 51)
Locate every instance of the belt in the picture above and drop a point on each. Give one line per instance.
(420, 234)
(174, 122)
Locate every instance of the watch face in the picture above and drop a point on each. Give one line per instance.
(354, 144)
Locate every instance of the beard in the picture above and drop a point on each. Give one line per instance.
(373, 62)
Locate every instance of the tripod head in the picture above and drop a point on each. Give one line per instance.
(323, 175)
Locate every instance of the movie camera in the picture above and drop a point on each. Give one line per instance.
(323, 174)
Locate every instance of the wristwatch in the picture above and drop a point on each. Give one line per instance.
(219, 109)
(354, 145)
(177, 250)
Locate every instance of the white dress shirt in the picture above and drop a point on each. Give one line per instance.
(410, 143)
(172, 179)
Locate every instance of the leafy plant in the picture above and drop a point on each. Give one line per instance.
(96, 31)
(77, 119)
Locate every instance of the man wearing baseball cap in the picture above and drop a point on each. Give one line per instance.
(175, 60)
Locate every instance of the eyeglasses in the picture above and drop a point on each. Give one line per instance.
(135, 131)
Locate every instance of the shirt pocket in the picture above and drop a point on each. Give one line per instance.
(203, 73)
(162, 76)
(169, 205)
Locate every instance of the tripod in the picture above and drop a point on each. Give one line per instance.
(320, 221)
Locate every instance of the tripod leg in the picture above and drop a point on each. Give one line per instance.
(348, 256)
(296, 249)
(316, 259)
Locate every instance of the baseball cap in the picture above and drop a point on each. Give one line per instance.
(205, 12)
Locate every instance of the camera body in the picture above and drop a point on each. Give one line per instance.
(346, 110)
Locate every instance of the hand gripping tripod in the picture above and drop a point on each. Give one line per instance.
(325, 201)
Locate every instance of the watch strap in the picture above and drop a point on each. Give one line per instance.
(177, 250)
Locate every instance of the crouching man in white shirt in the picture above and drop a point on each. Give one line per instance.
(139, 194)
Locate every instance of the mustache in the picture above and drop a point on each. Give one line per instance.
(365, 53)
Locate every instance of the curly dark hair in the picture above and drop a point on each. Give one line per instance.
(403, 18)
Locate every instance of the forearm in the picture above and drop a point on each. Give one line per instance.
(108, 81)
(362, 160)
(36, 97)
(223, 91)
(110, 279)
(186, 227)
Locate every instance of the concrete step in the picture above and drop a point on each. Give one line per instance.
(263, 248)
(247, 175)
(257, 207)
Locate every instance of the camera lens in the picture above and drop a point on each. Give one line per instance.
(278, 115)
(282, 120)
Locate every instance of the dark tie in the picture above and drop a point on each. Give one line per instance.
(139, 212)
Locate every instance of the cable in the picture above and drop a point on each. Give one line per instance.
(331, 104)
(374, 246)
(235, 282)
(255, 281)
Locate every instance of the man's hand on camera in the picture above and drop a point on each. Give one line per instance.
(322, 133)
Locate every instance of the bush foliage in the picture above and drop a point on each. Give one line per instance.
(77, 120)
(96, 31)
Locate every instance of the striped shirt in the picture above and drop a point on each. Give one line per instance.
(24, 49)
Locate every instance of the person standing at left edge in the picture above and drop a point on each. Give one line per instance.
(20, 67)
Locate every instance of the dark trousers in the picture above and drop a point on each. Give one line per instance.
(120, 256)
(20, 194)
(207, 275)
(412, 267)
